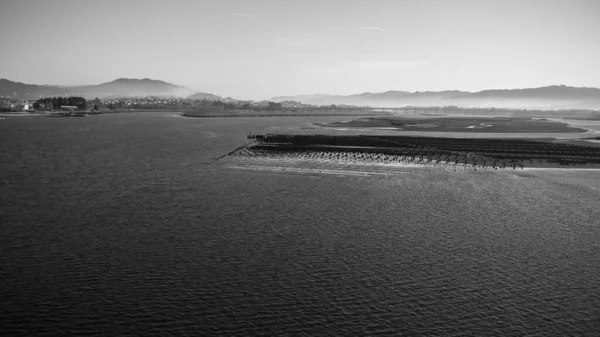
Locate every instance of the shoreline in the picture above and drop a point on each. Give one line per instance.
(290, 162)
(329, 171)
(226, 115)
(374, 169)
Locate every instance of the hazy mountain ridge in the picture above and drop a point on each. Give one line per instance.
(204, 95)
(28, 91)
(552, 92)
(550, 97)
(122, 87)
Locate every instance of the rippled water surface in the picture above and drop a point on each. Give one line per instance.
(120, 224)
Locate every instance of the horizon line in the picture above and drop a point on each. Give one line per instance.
(313, 94)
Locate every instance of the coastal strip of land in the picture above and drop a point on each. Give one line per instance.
(215, 113)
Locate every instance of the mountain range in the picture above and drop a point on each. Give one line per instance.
(550, 97)
(122, 87)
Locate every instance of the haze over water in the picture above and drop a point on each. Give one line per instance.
(119, 224)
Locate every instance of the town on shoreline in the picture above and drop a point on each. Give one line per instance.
(232, 108)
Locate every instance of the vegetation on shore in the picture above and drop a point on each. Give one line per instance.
(51, 103)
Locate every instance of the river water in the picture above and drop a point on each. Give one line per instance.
(121, 224)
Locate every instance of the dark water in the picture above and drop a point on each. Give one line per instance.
(114, 225)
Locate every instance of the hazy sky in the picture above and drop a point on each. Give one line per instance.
(260, 49)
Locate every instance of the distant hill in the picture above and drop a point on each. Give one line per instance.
(122, 87)
(28, 91)
(551, 97)
(203, 95)
(550, 92)
(125, 87)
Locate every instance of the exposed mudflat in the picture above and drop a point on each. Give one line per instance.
(461, 124)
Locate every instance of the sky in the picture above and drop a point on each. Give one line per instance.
(260, 49)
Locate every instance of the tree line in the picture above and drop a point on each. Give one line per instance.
(50, 103)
